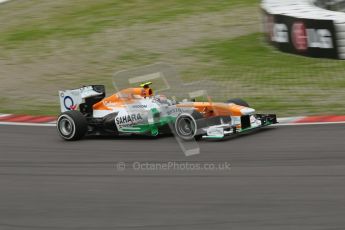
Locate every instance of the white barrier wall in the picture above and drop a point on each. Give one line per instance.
(336, 5)
(302, 28)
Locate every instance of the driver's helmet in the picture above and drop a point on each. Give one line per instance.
(146, 91)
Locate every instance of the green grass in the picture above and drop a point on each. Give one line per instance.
(83, 18)
(251, 55)
(271, 80)
(32, 106)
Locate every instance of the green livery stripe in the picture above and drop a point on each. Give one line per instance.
(149, 128)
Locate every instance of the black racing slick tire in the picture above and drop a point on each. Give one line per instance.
(72, 125)
(186, 126)
(238, 101)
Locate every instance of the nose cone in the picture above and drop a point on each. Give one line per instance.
(247, 111)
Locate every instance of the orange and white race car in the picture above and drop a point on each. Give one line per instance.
(86, 111)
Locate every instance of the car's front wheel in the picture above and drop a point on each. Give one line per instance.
(72, 125)
(186, 126)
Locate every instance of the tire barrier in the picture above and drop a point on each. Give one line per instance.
(302, 28)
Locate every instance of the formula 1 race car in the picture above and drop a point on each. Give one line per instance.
(86, 111)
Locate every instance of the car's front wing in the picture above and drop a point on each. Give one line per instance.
(247, 124)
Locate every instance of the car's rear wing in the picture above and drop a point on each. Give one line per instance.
(73, 98)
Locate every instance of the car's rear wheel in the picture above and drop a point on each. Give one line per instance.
(72, 125)
(238, 101)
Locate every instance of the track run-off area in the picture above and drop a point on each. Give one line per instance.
(283, 177)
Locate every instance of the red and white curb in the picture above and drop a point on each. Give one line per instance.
(312, 120)
(30, 120)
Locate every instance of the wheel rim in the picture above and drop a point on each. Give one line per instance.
(66, 126)
(186, 127)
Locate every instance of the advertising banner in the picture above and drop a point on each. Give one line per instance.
(302, 36)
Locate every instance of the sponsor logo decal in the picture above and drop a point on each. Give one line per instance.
(302, 37)
(128, 119)
(320, 38)
(280, 33)
(175, 110)
(109, 103)
(139, 106)
(299, 36)
(69, 103)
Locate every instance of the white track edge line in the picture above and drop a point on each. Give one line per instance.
(27, 124)
(310, 123)
(275, 125)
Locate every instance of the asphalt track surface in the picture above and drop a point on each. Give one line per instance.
(280, 178)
